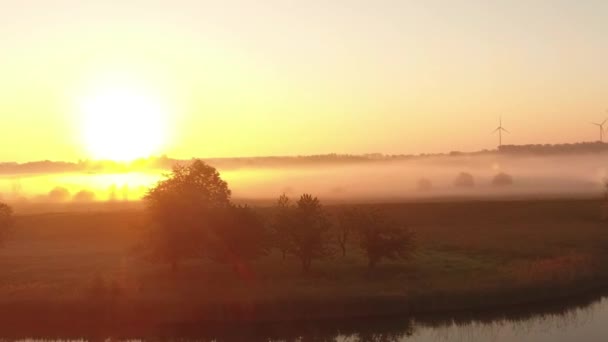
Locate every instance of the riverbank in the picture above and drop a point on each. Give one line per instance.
(79, 269)
(70, 320)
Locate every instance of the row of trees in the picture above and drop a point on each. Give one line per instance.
(466, 180)
(192, 216)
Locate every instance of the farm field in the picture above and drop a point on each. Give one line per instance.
(469, 255)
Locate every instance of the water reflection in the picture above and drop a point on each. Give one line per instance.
(580, 321)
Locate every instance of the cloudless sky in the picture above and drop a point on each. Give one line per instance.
(279, 77)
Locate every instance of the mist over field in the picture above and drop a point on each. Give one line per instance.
(431, 177)
(487, 175)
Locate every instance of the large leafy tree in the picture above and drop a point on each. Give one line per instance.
(381, 238)
(183, 207)
(309, 232)
(6, 221)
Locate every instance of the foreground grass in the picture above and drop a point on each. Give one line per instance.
(471, 255)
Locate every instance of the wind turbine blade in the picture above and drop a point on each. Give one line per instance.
(603, 122)
(505, 130)
(496, 130)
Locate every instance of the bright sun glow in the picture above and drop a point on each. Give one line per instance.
(122, 123)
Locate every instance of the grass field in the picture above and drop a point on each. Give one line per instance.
(470, 255)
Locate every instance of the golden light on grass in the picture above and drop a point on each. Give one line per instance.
(122, 122)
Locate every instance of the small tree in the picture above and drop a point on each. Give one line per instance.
(6, 221)
(346, 224)
(182, 207)
(381, 238)
(237, 238)
(309, 232)
(281, 223)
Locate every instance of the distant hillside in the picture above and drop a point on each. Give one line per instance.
(165, 163)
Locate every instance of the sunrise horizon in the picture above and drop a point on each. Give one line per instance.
(303, 170)
(395, 78)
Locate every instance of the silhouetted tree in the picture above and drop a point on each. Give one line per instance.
(502, 179)
(464, 180)
(381, 238)
(112, 196)
(346, 224)
(281, 224)
(309, 233)
(6, 221)
(238, 237)
(182, 207)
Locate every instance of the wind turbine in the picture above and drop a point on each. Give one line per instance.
(500, 129)
(601, 127)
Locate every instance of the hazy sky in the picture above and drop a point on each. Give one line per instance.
(241, 78)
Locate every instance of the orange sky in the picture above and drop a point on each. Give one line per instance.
(242, 78)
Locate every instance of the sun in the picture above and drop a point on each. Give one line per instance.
(122, 123)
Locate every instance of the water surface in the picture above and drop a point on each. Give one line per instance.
(581, 322)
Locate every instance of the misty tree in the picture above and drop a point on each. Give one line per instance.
(502, 179)
(84, 196)
(464, 180)
(238, 237)
(381, 238)
(308, 235)
(59, 194)
(6, 221)
(281, 224)
(182, 207)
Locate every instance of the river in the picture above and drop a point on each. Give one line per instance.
(582, 321)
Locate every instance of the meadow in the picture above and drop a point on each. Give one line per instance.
(470, 255)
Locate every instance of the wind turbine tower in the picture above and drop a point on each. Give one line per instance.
(601, 127)
(500, 129)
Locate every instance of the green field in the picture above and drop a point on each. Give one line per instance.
(470, 255)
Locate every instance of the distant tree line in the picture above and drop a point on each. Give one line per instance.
(164, 162)
(575, 148)
(192, 216)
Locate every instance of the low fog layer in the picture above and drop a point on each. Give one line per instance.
(432, 177)
(476, 176)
